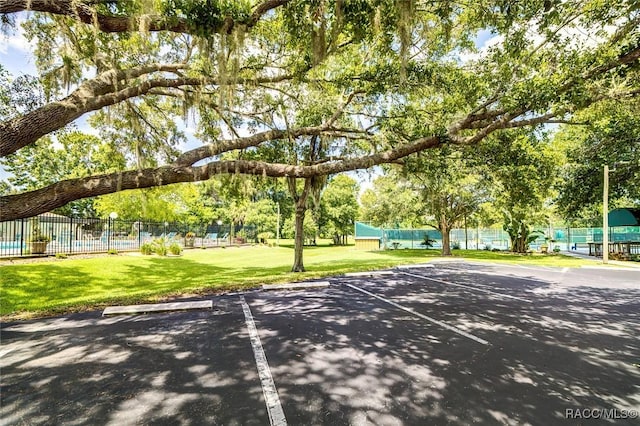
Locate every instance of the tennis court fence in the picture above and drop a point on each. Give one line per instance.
(576, 239)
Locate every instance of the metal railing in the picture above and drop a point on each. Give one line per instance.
(92, 235)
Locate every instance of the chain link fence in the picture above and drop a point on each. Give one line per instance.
(574, 239)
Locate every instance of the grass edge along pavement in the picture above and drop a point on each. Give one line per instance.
(58, 286)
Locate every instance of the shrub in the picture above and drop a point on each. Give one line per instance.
(160, 249)
(146, 249)
(175, 249)
(61, 255)
(427, 242)
(455, 245)
(556, 249)
(112, 251)
(264, 236)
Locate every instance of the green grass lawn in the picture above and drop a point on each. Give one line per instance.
(58, 286)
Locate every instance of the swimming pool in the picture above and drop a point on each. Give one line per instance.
(18, 248)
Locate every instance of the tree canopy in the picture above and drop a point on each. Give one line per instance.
(609, 135)
(375, 81)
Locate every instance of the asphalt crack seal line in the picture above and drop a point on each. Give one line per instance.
(425, 317)
(272, 400)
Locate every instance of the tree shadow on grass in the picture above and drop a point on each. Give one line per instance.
(56, 288)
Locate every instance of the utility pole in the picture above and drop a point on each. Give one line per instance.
(278, 225)
(605, 216)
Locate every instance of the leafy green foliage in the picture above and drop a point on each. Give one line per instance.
(448, 186)
(418, 69)
(146, 248)
(182, 203)
(310, 227)
(522, 169)
(175, 249)
(206, 16)
(72, 154)
(427, 242)
(160, 246)
(390, 204)
(339, 206)
(18, 95)
(611, 135)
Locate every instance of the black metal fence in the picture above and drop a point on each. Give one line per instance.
(49, 234)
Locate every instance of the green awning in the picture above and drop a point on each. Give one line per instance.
(624, 217)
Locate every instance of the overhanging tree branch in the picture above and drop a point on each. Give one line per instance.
(31, 203)
(86, 12)
(108, 88)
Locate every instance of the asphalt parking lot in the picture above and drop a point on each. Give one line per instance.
(451, 343)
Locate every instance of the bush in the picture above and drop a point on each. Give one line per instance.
(455, 245)
(61, 255)
(160, 248)
(427, 242)
(146, 249)
(112, 251)
(175, 249)
(556, 249)
(264, 236)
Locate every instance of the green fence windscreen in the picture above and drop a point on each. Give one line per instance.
(364, 230)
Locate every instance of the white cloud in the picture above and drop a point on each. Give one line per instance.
(14, 39)
(16, 42)
(16, 51)
(468, 56)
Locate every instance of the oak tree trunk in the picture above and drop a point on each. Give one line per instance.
(519, 238)
(298, 264)
(446, 241)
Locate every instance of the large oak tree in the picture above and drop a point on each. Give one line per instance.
(238, 69)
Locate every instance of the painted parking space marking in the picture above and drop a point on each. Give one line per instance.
(419, 315)
(483, 290)
(272, 400)
(497, 274)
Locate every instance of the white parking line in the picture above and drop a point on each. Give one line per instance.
(497, 274)
(274, 408)
(419, 315)
(468, 287)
